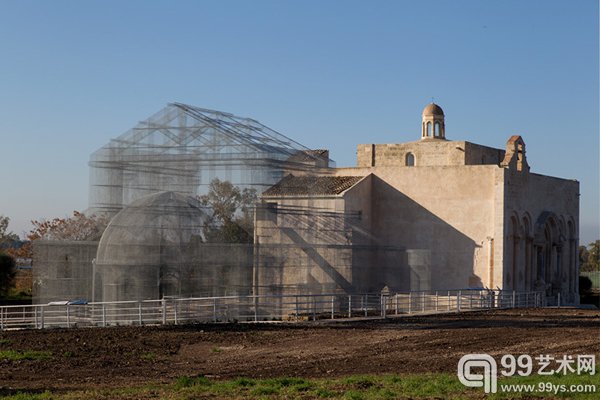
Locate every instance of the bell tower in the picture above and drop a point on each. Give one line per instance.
(433, 123)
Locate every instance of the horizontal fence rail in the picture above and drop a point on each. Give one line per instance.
(301, 307)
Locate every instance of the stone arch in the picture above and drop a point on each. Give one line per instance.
(514, 239)
(546, 252)
(428, 129)
(527, 226)
(409, 160)
(527, 244)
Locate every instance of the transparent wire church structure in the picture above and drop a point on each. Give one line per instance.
(191, 196)
(183, 149)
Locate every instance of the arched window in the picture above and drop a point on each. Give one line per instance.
(437, 129)
(429, 129)
(410, 160)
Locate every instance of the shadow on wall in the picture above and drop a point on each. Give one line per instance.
(437, 256)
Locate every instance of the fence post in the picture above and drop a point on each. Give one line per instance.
(513, 299)
(175, 302)
(1, 317)
(214, 309)
(164, 311)
(314, 308)
(297, 309)
(448, 297)
(365, 303)
(68, 317)
(458, 299)
(423, 302)
(140, 312)
(558, 301)
(349, 306)
(410, 302)
(383, 304)
(42, 318)
(103, 314)
(396, 302)
(332, 307)
(436, 301)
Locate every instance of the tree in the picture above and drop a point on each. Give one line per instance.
(7, 273)
(584, 254)
(5, 236)
(589, 258)
(232, 219)
(78, 227)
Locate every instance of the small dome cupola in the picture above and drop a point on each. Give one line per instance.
(433, 122)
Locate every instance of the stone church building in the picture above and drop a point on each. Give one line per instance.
(432, 214)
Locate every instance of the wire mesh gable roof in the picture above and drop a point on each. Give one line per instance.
(311, 185)
(183, 129)
(182, 148)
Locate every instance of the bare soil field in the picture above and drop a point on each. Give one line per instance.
(129, 356)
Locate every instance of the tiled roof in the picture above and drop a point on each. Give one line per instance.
(311, 185)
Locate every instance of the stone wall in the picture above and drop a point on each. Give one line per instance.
(428, 152)
(541, 234)
(443, 216)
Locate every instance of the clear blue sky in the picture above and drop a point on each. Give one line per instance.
(74, 74)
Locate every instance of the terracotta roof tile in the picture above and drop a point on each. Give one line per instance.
(311, 185)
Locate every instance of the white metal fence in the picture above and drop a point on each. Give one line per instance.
(261, 308)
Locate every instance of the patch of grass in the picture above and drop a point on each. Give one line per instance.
(291, 382)
(303, 387)
(190, 381)
(353, 395)
(149, 356)
(4, 342)
(367, 387)
(425, 385)
(13, 355)
(324, 393)
(29, 396)
(360, 382)
(244, 382)
(264, 391)
(216, 350)
(68, 354)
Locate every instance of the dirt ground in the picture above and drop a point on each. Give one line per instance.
(127, 356)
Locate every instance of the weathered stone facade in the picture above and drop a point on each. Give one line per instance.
(464, 215)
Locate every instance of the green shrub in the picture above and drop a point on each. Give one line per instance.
(189, 381)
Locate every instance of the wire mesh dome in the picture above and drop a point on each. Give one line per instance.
(155, 247)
